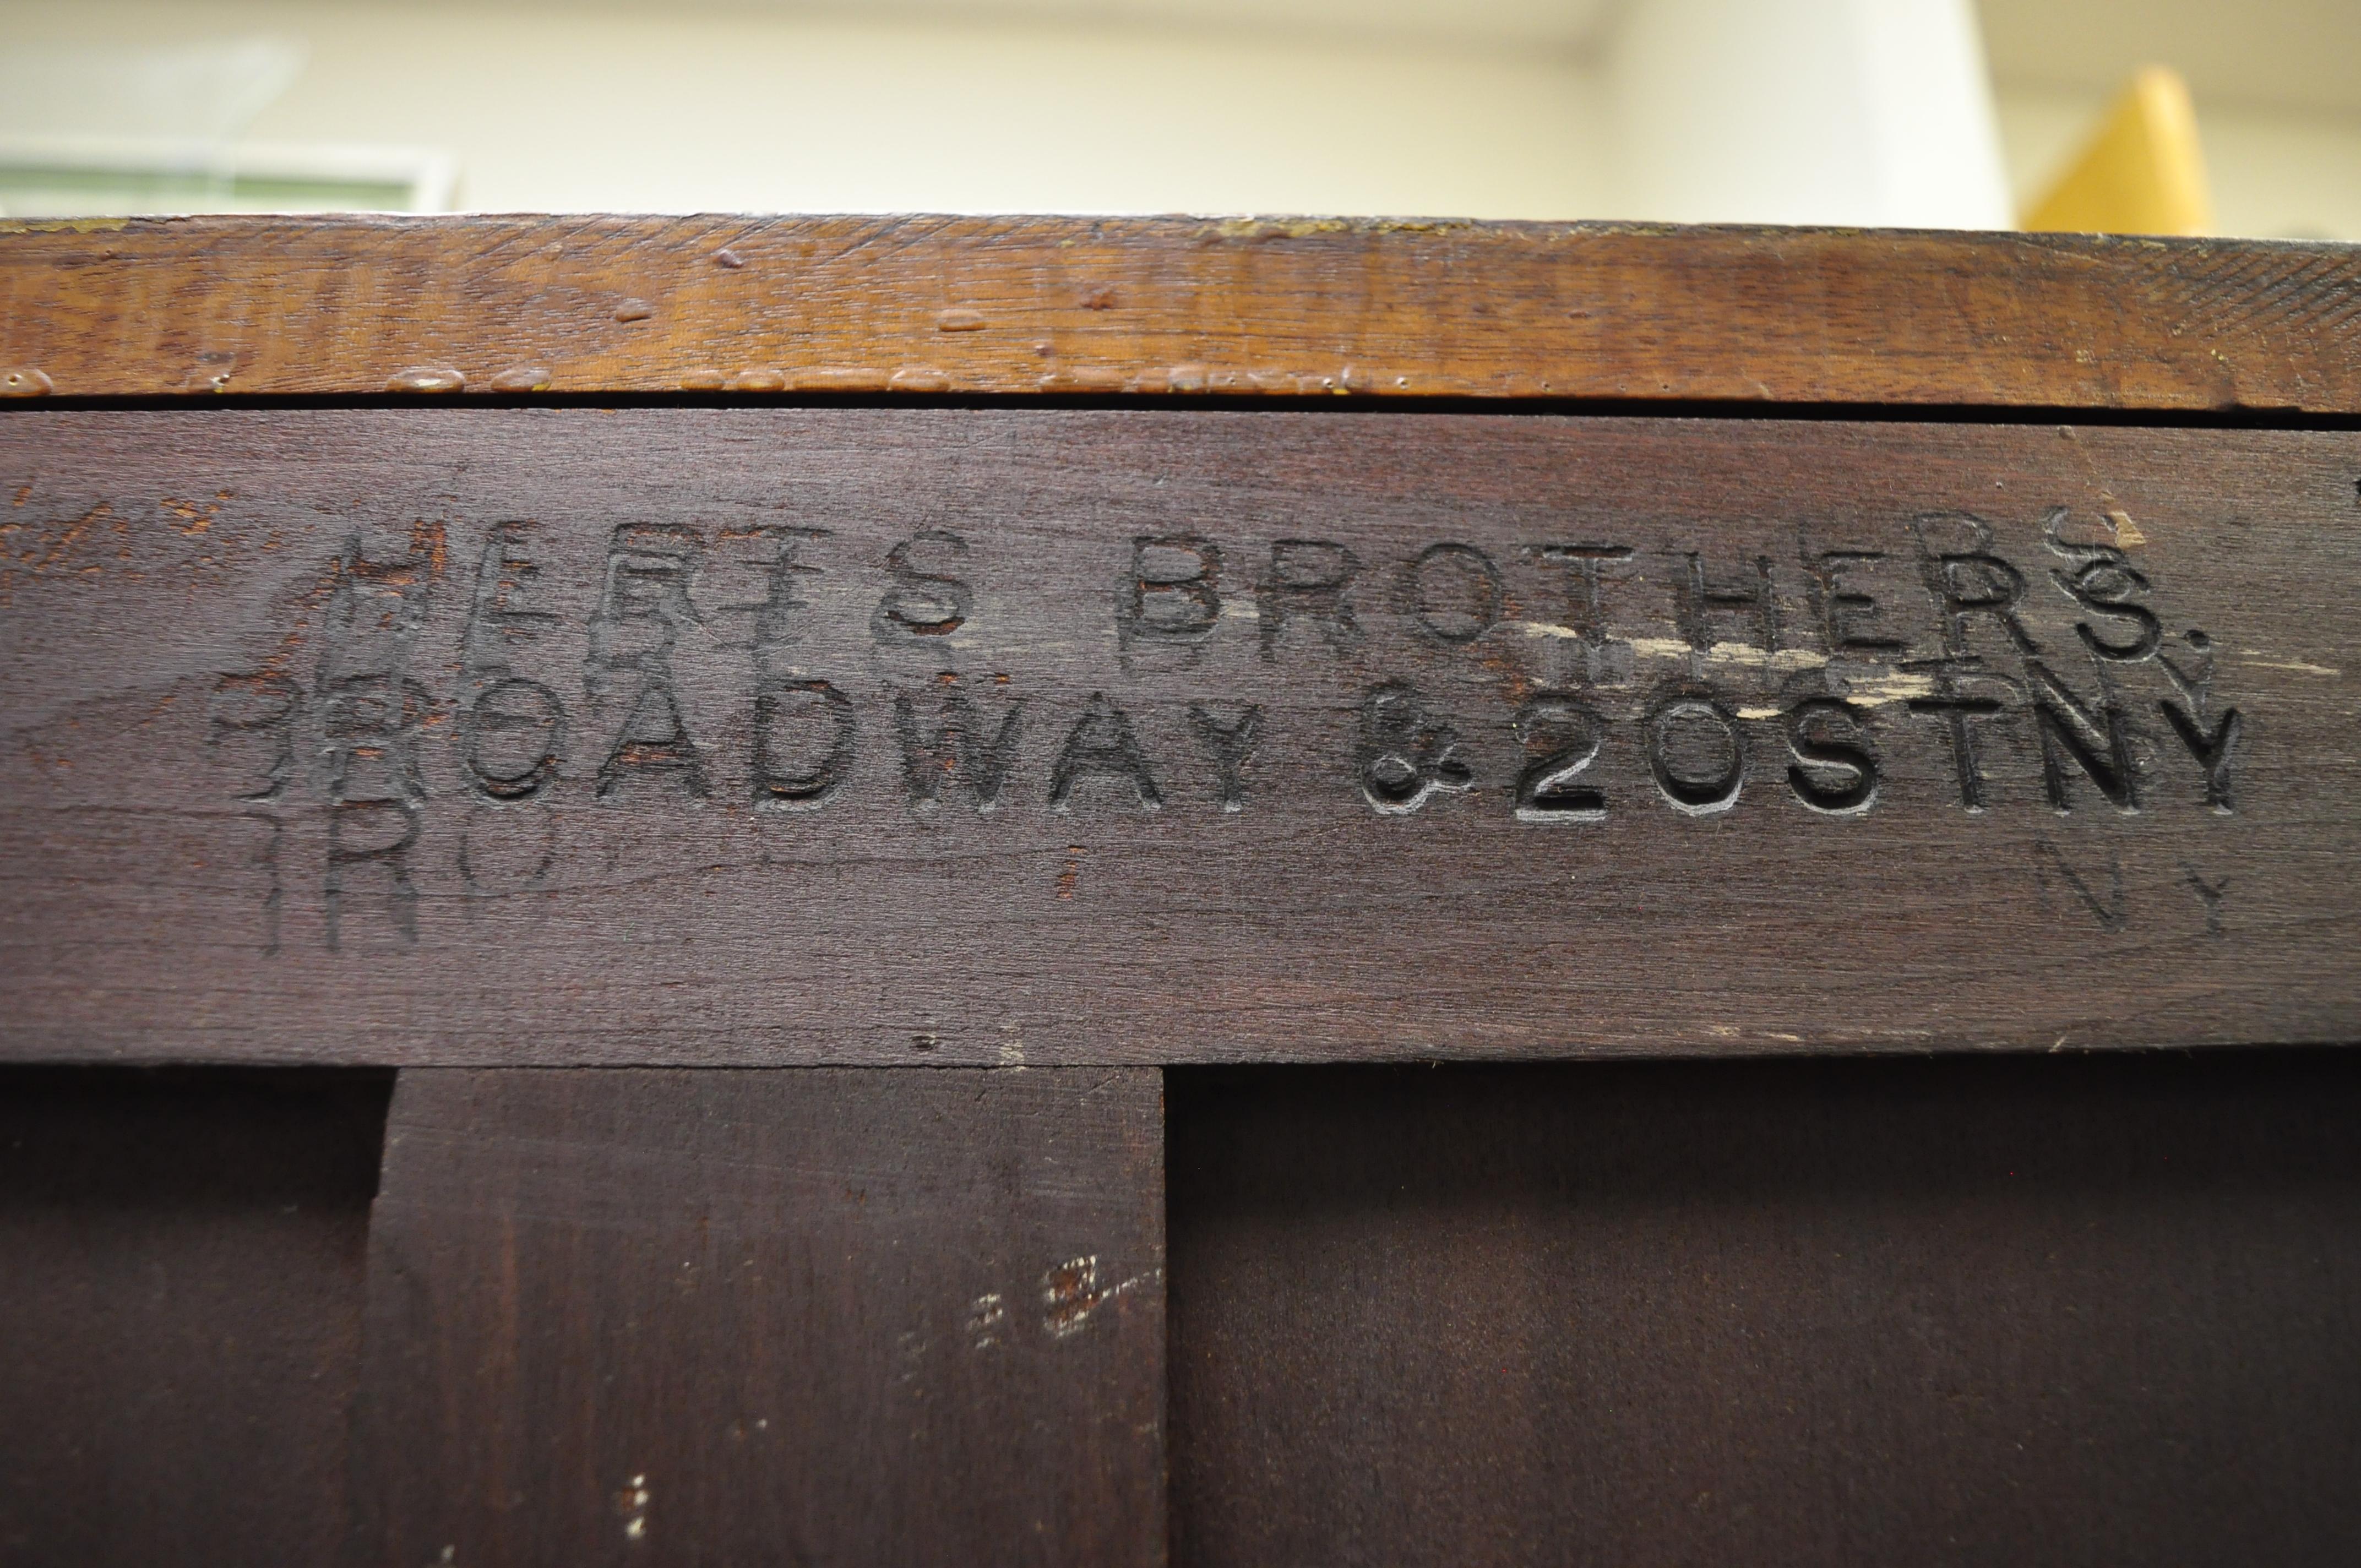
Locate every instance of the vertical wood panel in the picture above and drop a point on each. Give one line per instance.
(181, 1258)
(796, 1317)
(2037, 1311)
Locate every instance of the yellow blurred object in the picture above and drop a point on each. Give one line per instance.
(2141, 174)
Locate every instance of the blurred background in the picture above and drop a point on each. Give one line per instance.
(2129, 115)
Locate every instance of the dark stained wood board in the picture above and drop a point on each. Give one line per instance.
(821, 1316)
(518, 306)
(2011, 1310)
(181, 1298)
(584, 729)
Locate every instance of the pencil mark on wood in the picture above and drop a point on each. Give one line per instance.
(2210, 894)
(274, 889)
(2109, 912)
(375, 834)
(500, 854)
(372, 717)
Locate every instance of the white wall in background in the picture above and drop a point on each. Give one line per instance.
(1805, 111)
(1848, 111)
(682, 108)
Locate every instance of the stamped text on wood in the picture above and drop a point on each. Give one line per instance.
(897, 736)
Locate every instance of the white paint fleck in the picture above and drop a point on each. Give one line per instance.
(2255, 659)
(986, 1319)
(1888, 686)
(1069, 1294)
(1072, 1295)
(632, 1504)
(1774, 659)
(1672, 649)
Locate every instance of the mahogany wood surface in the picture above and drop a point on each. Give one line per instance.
(521, 305)
(371, 713)
(820, 1317)
(181, 1298)
(961, 737)
(2020, 1311)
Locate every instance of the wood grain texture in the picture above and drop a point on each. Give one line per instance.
(197, 306)
(2025, 1311)
(181, 1290)
(821, 1316)
(752, 736)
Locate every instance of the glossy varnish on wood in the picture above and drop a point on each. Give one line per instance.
(517, 306)
(923, 737)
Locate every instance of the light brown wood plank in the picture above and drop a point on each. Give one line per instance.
(435, 306)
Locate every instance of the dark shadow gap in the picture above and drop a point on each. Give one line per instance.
(1593, 407)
